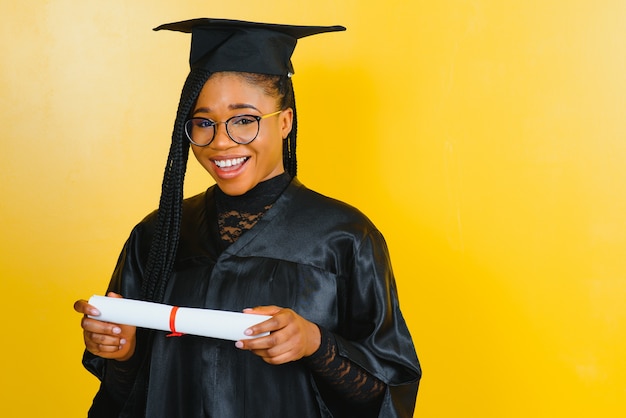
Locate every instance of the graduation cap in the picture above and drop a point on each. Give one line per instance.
(236, 45)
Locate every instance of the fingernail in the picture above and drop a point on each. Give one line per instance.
(116, 330)
(248, 331)
(239, 344)
(94, 312)
(122, 341)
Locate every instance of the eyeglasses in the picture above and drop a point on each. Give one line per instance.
(242, 129)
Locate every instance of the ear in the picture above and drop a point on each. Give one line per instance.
(286, 121)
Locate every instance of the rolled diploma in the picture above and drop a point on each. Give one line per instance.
(196, 321)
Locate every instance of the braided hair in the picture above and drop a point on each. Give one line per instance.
(164, 244)
(289, 147)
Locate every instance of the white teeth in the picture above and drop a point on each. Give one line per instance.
(229, 163)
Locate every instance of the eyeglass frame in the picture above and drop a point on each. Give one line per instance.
(257, 117)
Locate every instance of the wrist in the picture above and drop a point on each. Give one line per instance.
(315, 340)
(127, 351)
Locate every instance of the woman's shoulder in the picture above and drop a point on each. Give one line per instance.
(306, 196)
(319, 208)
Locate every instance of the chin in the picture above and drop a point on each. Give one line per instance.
(234, 189)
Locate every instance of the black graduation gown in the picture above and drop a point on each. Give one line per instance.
(315, 255)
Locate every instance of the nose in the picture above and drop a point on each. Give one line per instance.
(221, 139)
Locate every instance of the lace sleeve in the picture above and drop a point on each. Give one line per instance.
(348, 381)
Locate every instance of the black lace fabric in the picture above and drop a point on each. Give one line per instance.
(237, 214)
(233, 223)
(350, 382)
(346, 380)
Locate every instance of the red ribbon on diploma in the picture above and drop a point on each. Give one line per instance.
(174, 333)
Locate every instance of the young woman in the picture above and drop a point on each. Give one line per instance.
(257, 241)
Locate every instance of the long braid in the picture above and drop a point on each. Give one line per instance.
(286, 90)
(289, 149)
(164, 244)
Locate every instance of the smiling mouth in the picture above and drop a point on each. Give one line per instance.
(233, 162)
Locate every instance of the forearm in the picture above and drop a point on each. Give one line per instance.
(119, 378)
(348, 381)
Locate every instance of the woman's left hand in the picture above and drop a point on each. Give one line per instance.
(291, 336)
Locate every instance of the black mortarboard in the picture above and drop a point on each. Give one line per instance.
(236, 45)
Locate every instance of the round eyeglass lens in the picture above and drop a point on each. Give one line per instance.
(243, 129)
(200, 131)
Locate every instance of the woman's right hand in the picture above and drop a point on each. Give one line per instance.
(104, 339)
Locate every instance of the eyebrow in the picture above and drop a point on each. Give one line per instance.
(235, 106)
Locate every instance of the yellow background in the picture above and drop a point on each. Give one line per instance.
(485, 138)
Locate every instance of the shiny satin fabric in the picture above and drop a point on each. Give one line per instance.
(317, 256)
